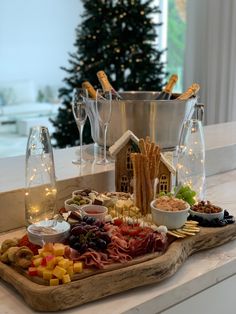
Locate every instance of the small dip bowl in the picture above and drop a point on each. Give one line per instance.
(207, 211)
(84, 193)
(42, 232)
(72, 205)
(171, 219)
(96, 211)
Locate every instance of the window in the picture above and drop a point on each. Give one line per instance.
(124, 184)
(176, 27)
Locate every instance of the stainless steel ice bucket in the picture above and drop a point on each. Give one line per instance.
(139, 112)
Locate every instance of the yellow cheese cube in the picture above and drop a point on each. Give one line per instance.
(59, 272)
(36, 256)
(70, 270)
(78, 267)
(37, 261)
(47, 274)
(46, 253)
(66, 278)
(58, 259)
(64, 263)
(54, 282)
(51, 262)
(59, 249)
(40, 270)
(40, 251)
(71, 263)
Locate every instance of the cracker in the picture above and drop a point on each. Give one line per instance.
(175, 234)
(185, 232)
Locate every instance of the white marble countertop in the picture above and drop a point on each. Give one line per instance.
(199, 272)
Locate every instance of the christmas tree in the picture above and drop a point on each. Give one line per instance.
(119, 37)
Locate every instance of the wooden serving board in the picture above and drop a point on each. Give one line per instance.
(96, 285)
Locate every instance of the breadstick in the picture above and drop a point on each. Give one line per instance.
(158, 158)
(149, 190)
(148, 140)
(142, 146)
(151, 150)
(143, 184)
(136, 188)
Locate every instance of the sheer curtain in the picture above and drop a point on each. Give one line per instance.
(211, 56)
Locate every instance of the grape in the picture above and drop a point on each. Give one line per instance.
(85, 218)
(101, 243)
(78, 229)
(76, 246)
(90, 220)
(92, 245)
(72, 239)
(187, 195)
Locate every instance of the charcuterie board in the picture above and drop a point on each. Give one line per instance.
(115, 278)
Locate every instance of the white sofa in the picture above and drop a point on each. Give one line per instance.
(18, 102)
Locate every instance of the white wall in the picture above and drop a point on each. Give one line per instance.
(35, 38)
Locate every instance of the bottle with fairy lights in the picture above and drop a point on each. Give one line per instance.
(191, 154)
(40, 179)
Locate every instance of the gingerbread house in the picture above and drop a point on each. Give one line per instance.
(121, 150)
(166, 172)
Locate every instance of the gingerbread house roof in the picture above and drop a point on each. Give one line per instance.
(168, 164)
(122, 141)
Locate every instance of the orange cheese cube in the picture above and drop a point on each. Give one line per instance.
(59, 272)
(50, 261)
(47, 274)
(54, 282)
(48, 247)
(78, 267)
(66, 278)
(64, 263)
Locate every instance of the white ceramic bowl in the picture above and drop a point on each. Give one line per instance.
(73, 207)
(77, 192)
(207, 216)
(61, 228)
(170, 219)
(97, 211)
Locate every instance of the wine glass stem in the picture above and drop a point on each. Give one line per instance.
(81, 128)
(105, 142)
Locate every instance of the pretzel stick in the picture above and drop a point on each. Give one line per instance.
(151, 150)
(158, 158)
(142, 146)
(148, 183)
(153, 167)
(137, 199)
(143, 182)
(148, 140)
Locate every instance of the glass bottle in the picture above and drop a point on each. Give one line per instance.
(191, 155)
(40, 180)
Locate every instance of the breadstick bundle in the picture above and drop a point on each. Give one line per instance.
(146, 168)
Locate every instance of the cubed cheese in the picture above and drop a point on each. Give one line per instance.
(78, 267)
(59, 272)
(54, 282)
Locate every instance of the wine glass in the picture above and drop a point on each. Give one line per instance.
(103, 112)
(80, 114)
